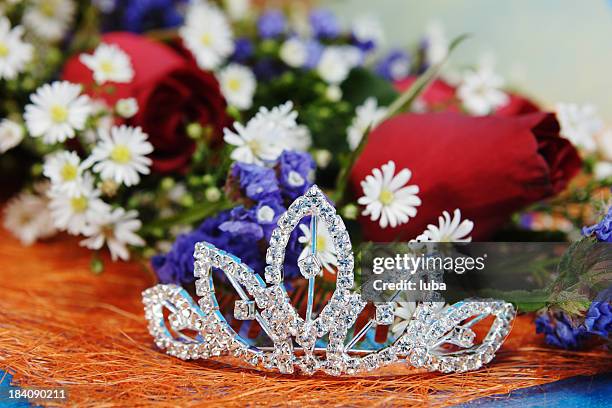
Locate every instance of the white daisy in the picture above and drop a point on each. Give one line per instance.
(74, 213)
(603, 168)
(387, 196)
(127, 107)
(255, 143)
(436, 43)
(448, 230)
(336, 63)
(109, 63)
(56, 111)
(403, 312)
(580, 124)
(237, 85)
(11, 134)
(49, 19)
(14, 52)
(369, 114)
(293, 52)
(368, 30)
(207, 34)
(326, 251)
(116, 228)
(28, 218)
(65, 170)
(480, 92)
(284, 118)
(120, 155)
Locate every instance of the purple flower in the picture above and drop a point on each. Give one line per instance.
(295, 173)
(243, 49)
(599, 319)
(602, 230)
(324, 24)
(395, 66)
(143, 15)
(268, 68)
(257, 182)
(271, 24)
(559, 331)
(314, 49)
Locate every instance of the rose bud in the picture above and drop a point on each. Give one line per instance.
(489, 167)
(170, 91)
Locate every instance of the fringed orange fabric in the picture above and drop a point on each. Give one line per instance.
(60, 325)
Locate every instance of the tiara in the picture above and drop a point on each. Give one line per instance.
(190, 330)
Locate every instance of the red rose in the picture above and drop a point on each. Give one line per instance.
(171, 93)
(489, 167)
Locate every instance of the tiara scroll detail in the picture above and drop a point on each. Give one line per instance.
(268, 303)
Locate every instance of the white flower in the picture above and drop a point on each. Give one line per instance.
(126, 108)
(11, 134)
(207, 34)
(284, 118)
(387, 196)
(14, 52)
(436, 43)
(336, 63)
(480, 92)
(265, 214)
(403, 312)
(237, 9)
(28, 218)
(333, 93)
(369, 114)
(255, 143)
(237, 85)
(602, 170)
(49, 19)
(448, 230)
(367, 29)
(326, 251)
(120, 155)
(74, 213)
(116, 228)
(293, 52)
(580, 124)
(56, 111)
(109, 63)
(65, 170)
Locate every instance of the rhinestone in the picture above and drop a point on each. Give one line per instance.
(384, 313)
(310, 266)
(244, 310)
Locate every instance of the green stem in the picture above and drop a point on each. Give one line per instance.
(189, 216)
(401, 104)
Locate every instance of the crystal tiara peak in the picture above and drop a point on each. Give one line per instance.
(295, 338)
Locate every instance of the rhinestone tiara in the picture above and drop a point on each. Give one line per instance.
(295, 338)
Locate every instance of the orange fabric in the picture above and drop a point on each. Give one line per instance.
(60, 325)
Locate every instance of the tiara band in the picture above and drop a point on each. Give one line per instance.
(295, 338)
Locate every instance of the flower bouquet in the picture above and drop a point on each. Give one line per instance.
(145, 127)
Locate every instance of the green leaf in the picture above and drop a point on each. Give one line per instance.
(362, 83)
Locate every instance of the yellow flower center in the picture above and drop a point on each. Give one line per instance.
(206, 39)
(79, 204)
(47, 7)
(59, 114)
(106, 67)
(386, 197)
(321, 242)
(4, 51)
(254, 146)
(69, 172)
(121, 154)
(233, 84)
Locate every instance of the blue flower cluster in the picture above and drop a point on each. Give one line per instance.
(559, 331)
(602, 230)
(141, 15)
(245, 230)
